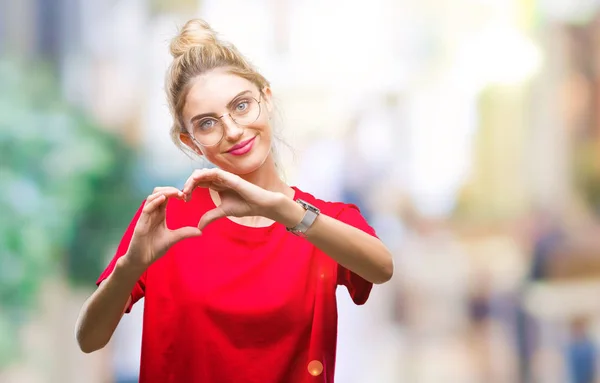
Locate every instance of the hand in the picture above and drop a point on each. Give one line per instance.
(151, 236)
(239, 198)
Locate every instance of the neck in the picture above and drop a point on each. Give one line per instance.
(266, 177)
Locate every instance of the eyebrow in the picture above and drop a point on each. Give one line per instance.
(229, 105)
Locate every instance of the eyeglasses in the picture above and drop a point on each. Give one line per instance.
(209, 131)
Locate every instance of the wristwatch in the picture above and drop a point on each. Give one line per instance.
(309, 218)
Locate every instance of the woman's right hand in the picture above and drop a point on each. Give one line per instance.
(151, 236)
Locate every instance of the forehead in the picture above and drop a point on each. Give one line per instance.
(211, 91)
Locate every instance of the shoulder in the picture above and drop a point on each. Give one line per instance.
(345, 212)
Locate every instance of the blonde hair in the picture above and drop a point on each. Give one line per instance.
(196, 50)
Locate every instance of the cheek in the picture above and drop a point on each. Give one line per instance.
(263, 129)
(210, 153)
(266, 139)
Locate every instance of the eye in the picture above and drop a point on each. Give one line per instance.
(242, 106)
(207, 124)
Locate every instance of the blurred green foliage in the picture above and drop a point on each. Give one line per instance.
(67, 193)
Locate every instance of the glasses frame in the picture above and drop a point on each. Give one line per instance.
(220, 118)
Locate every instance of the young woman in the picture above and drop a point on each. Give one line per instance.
(238, 269)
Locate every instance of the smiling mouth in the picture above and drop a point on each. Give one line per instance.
(242, 146)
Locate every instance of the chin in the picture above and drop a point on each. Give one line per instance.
(245, 164)
(241, 169)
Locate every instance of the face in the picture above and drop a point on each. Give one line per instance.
(220, 101)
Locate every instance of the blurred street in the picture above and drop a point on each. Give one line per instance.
(467, 131)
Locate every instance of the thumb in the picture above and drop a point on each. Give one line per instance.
(210, 216)
(183, 233)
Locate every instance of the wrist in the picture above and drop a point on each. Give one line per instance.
(287, 211)
(126, 268)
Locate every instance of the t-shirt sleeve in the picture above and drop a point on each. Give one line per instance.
(138, 290)
(358, 287)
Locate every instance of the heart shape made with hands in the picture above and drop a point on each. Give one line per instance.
(239, 198)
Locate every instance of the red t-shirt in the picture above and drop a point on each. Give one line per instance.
(241, 304)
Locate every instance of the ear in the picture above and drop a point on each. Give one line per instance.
(266, 93)
(187, 140)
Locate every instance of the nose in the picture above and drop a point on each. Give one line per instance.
(231, 130)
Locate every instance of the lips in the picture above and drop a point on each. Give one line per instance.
(241, 145)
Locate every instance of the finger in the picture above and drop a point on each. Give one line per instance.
(208, 185)
(188, 196)
(234, 182)
(210, 216)
(218, 179)
(165, 192)
(169, 192)
(193, 180)
(216, 176)
(152, 197)
(228, 179)
(203, 184)
(217, 188)
(183, 233)
(153, 202)
(205, 178)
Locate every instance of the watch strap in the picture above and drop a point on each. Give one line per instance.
(310, 215)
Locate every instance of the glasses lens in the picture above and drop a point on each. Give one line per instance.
(246, 111)
(208, 131)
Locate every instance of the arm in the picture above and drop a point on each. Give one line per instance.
(352, 248)
(146, 239)
(103, 310)
(348, 246)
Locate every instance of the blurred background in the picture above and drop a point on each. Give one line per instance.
(467, 131)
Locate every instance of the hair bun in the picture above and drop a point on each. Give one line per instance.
(195, 32)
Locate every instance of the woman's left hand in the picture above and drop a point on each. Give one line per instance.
(239, 198)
